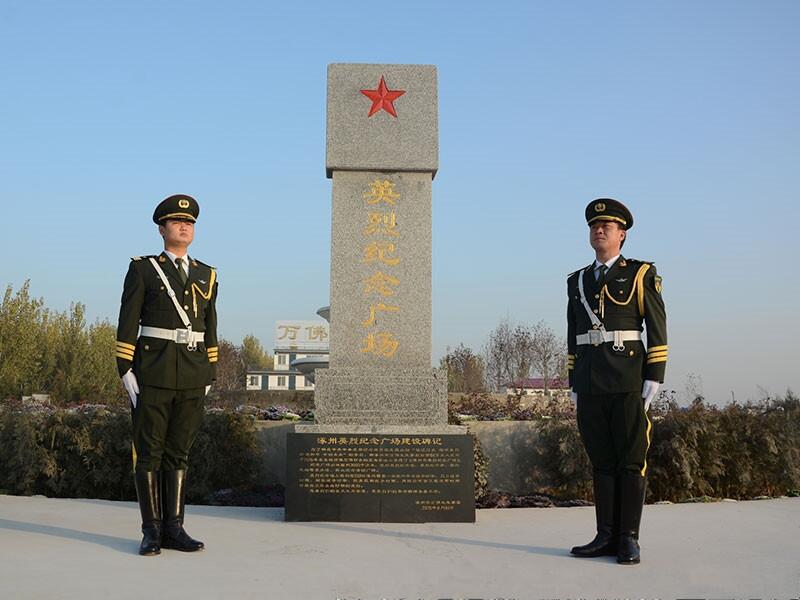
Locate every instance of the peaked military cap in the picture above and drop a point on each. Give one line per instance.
(608, 209)
(179, 206)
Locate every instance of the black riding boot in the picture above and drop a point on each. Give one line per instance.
(175, 538)
(632, 491)
(605, 542)
(148, 491)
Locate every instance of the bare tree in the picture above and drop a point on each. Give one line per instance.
(508, 354)
(548, 354)
(465, 370)
(231, 369)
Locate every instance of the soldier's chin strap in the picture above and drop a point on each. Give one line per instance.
(596, 322)
(192, 344)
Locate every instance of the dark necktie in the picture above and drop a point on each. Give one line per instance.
(601, 273)
(181, 272)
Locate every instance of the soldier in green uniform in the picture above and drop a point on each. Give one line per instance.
(166, 355)
(613, 376)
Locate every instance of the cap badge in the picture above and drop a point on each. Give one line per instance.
(599, 207)
(183, 203)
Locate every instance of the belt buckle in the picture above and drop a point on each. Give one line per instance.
(182, 336)
(596, 337)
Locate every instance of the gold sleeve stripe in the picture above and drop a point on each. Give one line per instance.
(212, 359)
(123, 345)
(657, 354)
(656, 349)
(658, 359)
(639, 284)
(124, 356)
(212, 348)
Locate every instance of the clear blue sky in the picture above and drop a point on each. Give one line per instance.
(687, 111)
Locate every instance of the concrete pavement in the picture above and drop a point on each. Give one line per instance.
(51, 548)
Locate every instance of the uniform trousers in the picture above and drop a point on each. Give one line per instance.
(615, 431)
(165, 424)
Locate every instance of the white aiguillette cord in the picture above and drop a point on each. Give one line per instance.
(182, 313)
(598, 324)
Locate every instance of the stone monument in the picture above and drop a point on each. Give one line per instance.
(380, 448)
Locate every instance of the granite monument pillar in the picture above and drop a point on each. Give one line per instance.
(380, 397)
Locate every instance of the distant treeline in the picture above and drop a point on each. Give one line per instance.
(43, 351)
(57, 353)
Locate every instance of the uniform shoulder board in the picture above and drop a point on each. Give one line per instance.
(200, 262)
(138, 258)
(639, 261)
(581, 270)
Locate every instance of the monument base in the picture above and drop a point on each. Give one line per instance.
(379, 397)
(380, 475)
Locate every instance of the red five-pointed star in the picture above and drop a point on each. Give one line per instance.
(382, 98)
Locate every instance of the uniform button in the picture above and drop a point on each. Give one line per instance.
(162, 287)
(146, 347)
(631, 352)
(186, 306)
(620, 291)
(186, 292)
(597, 295)
(595, 311)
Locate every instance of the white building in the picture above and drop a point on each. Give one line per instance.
(293, 340)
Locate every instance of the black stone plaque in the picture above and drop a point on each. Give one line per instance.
(379, 478)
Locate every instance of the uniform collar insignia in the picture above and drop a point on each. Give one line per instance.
(621, 280)
(203, 281)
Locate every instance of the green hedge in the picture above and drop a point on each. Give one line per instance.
(739, 451)
(86, 453)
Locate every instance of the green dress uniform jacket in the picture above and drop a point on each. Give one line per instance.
(628, 297)
(164, 363)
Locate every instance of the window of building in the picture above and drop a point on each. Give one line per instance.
(282, 359)
(281, 381)
(253, 380)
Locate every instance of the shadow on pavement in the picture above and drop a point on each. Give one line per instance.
(124, 545)
(544, 550)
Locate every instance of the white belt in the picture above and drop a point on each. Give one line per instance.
(595, 337)
(179, 336)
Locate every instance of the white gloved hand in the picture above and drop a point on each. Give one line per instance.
(131, 386)
(649, 391)
(574, 397)
(208, 387)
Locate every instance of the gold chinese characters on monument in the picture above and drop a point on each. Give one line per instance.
(380, 250)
